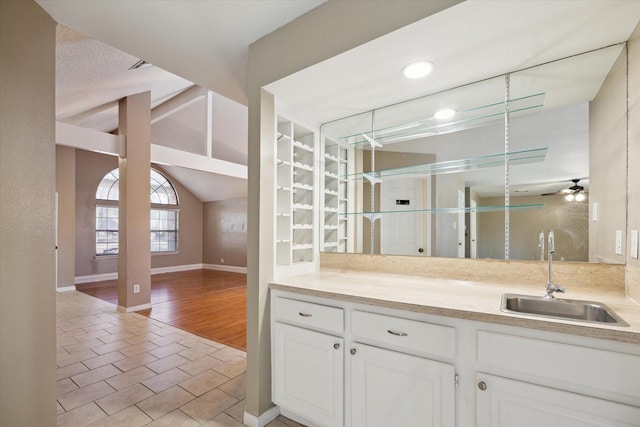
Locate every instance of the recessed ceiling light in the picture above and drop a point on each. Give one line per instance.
(446, 113)
(417, 70)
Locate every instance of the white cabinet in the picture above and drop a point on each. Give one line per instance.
(403, 368)
(503, 402)
(295, 161)
(389, 388)
(308, 373)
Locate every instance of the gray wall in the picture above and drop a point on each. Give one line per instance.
(66, 189)
(225, 232)
(568, 220)
(608, 164)
(27, 194)
(90, 169)
(633, 179)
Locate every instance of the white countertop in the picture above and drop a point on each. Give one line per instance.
(461, 299)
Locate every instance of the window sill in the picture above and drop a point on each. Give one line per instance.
(152, 254)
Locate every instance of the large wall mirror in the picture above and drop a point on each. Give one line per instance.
(452, 175)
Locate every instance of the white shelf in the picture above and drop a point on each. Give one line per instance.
(302, 247)
(305, 147)
(303, 166)
(295, 189)
(303, 207)
(302, 226)
(299, 185)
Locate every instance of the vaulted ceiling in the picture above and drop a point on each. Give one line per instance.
(206, 42)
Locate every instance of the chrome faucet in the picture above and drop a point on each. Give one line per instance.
(551, 288)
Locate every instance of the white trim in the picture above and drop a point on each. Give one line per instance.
(175, 268)
(159, 270)
(96, 278)
(231, 268)
(122, 309)
(66, 288)
(264, 419)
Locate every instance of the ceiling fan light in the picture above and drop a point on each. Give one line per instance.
(417, 69)
(569, 197)
(580, 197)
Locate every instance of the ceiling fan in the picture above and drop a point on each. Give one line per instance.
(574, 192)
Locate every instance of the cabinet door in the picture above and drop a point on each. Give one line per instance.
(308, 371)
(503, 402)
(396, 389)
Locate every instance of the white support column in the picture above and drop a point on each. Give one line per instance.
(209, 136)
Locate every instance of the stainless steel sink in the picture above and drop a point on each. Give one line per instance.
(567, 309)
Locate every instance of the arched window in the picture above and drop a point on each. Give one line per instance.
(164, 214)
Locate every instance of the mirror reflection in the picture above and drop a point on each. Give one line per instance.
(452, 175)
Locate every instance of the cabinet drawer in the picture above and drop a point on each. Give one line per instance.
(404, 334)
(316, 316)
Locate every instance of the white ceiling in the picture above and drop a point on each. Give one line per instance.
(206, 42)
(471, 42)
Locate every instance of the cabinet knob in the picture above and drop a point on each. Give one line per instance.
(336, 346)
(353, 351)
(482, 385)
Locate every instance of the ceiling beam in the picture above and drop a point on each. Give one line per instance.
(177, 103)
(107, 143)
(173, 157)
(88, 139)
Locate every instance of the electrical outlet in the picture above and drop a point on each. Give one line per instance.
(618, 242)
(136, 289)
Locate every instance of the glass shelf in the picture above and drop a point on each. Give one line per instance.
(455, 166)
(478, 209)
(464, 119)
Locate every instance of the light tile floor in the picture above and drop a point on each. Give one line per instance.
(125, 369)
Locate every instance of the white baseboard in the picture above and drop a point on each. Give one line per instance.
(264, 419)
(122, 309)
(222, 267)
(114, 276)
(176, 268)
(66, 289)
(96, 278)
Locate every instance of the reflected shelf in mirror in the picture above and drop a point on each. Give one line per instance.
(478, 209)
(454, 166)
(465, 119)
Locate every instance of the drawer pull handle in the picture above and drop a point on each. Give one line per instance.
(305, 314)
(398, 334)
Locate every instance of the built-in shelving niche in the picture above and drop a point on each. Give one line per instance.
(295, 193)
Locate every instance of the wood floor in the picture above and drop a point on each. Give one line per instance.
(208, 303)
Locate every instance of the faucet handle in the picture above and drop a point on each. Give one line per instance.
(551, 244)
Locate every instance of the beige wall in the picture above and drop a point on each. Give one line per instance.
(608, 164)
(66, 189)
(633, 179)
(568, 220)
(90, 169)
(225, 231)
(27, 216)
(330, 29)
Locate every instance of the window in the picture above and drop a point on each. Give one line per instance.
(163, 215)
